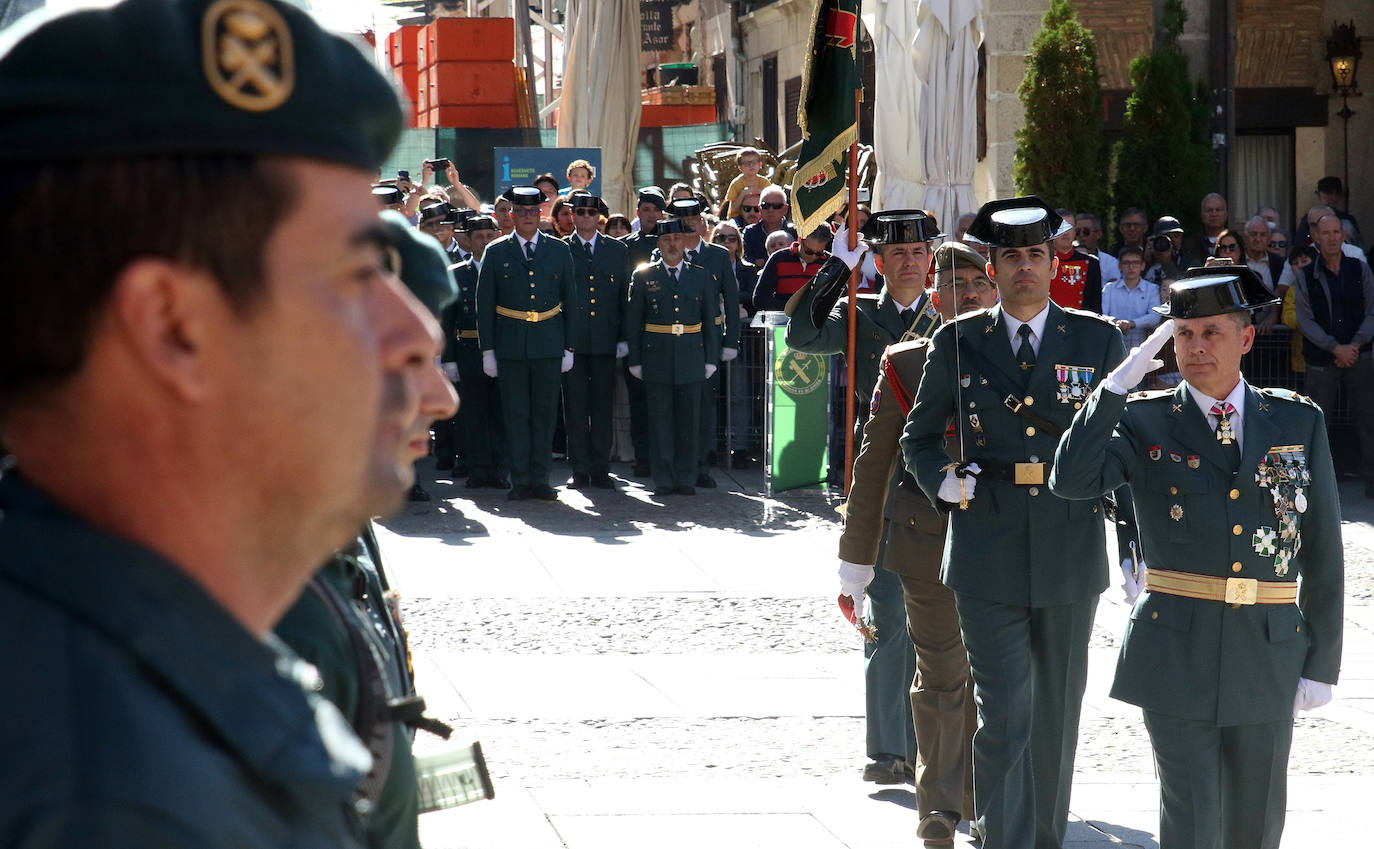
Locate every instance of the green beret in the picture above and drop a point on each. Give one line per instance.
(424, 265)
(192, 76)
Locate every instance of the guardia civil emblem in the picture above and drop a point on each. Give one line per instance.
(246, 52)
(1074, 383)
(799, 373)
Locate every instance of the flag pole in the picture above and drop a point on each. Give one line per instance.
(853, 303)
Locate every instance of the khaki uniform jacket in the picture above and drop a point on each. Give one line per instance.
(871, 497)
(1206, 660)
(1015, 544)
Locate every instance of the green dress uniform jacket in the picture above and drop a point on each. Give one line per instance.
(641, 247)
(478, 420)
(1015, 544)
(716, 260)
(1207, 660)
(878, 324)
(507, 279)
(602, 285)
(656, 299)
(142, 713)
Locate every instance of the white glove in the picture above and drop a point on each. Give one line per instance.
(710, 370)
(1132, 586)
(954, 489)
(622, 349)
(637, 372)
(840, 248)
(1311, 695)
(567, 361)
(489, 363)
(728, 354)
(853, 579)
(450, 371)
(1140, 361)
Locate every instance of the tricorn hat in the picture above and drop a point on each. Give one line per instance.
(458, 214)
(479, 222)
(441, 210)
(1215, 289)
(587, 200)
(900, 226)
(523, 196)
(671, 225)
(1016, 223)
(683, 207)
(387, 194)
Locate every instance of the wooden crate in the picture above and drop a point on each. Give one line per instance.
(471, 84)
(471, 40)
(679, 95)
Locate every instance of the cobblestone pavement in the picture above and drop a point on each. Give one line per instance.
(582, 640)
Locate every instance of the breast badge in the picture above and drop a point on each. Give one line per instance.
(1156, 452)
(1176, 512)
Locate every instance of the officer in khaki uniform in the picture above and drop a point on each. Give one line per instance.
(479, 415)
(527, 319)
(1235, 498)
(890, 522)
(672, 349)
(1026, 566)
(717, 262)
(819, 325)
(603, 278)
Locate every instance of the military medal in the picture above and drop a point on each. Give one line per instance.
(1176, 513)
(1264, 541)
(1074, 383)
(1284, 473)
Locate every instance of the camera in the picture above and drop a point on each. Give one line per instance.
(1161, 244)
(403, 175)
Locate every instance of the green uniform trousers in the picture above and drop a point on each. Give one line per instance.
(588, 399)
(710, 398)
(480, 415)
(448, 437)
(1030, 667)
(1215, 779)
(673, 417)
(529, 399)
(889, 666)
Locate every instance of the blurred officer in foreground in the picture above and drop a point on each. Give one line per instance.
(527, 319)
(480, 427)
(890, 522)
(1026, 566)
(345, 624)
(603, 276)
(669, 323)
(1222, 650)
(196, 423)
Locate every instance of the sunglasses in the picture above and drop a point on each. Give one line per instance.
(1085, 231)
(727, 238)
(748, 208)
(1228, 247)
(773, 205)
(1278, 245)
(587, 212)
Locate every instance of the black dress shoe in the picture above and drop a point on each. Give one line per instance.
(495, 482)
(684, 490)
(601, 480)
(417, 493)
(740, 460)
(475, 482)
(544, 492)
(443, 464)
(578, 481)
(663, 490)
(518, 493)
(706, 482)
(641, 470)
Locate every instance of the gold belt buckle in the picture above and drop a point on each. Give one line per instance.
(1241, 590)
(1030, 474)
(531, 315)
(678, 329)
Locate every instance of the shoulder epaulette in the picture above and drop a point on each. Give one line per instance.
(1088, 314)
(969, 316)
(1149, 395)
(1288, 395)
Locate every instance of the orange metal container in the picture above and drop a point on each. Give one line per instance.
(471, 40)
(402, 46)
(474, 116)
(675, 116)
(472, 84)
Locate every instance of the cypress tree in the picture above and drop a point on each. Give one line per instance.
(1060, 154)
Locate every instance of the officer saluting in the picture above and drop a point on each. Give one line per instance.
(527, 319)
(1235, 498)
(603, 272)
(669, 321)
(479, 417)
(1026, 566)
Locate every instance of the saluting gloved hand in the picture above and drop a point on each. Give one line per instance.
(854, 578)
(450, 371)
(1311, 695)
(1140, 361)
(637, 372)
(840, 247)
(489, 363)
(728, 354)
(955, 489)
(1132, 585)
(622, 350)
(567, 361)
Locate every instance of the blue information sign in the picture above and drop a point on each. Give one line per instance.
(518, 166)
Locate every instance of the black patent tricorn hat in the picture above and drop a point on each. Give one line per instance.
(900, 227)
(1214, 290)
(442, 210)
(684, 206)
(1016, 223)
(523, 196)
(671, 225)
(479, 222)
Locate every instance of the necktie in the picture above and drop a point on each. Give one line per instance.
(672, 272)
(529, 250)
(1225, 435)
(587, 248)
(908, 317)
(1025, 354)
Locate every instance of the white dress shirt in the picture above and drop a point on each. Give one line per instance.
(1037, 326)
(1237, 401)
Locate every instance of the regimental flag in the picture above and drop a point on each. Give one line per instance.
(826, 113)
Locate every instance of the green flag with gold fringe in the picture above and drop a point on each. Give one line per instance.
(826, 113)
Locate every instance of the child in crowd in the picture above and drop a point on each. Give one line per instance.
(580, 174)
(750, 162)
